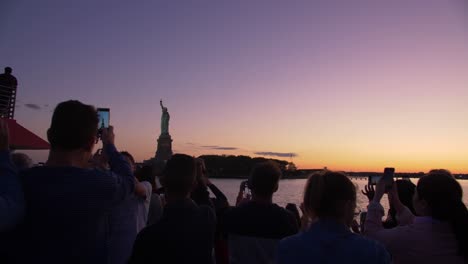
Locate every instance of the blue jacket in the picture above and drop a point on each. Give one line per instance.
(67, 211)
(330, 242)
(11, 194)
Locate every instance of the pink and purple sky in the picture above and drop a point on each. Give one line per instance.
(351, 85)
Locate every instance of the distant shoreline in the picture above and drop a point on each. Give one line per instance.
(304, 174)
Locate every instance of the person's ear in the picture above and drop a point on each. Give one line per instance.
(90, 144)
(276, 188)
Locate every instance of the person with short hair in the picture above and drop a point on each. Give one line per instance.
(439, 232)
(329, 204)
(68, 204)
(255, 227)
(185, 233)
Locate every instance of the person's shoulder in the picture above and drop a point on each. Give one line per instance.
(282, 211)
(291, 241)
(367, 245)
(240, 211)
(91, 177)
(233, 210)
(278, 208)
(36, 173)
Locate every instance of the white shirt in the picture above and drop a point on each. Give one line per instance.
(143, 207)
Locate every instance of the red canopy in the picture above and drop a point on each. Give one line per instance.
(21, 138)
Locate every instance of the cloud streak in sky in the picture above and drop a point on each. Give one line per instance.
(220, 148)
(33, 106)
(277, 154)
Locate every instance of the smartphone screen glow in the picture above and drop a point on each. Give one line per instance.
(104, 116)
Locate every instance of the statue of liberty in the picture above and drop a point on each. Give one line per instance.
(164, 119)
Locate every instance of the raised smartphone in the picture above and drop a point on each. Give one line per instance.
(104, 117)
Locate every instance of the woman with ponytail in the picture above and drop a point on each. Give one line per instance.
(439, 234)
(329, 206)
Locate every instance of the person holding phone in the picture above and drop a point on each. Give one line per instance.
(68, 203)
(439, 234)
(255, 227)
(244, 194)
(200, 193)
(185, 233)
(329, 204)
(405, 191)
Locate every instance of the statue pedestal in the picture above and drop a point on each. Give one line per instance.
(163, 153)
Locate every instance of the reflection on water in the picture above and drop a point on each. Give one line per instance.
(290, 191)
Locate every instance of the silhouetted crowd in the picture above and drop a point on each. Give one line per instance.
(86, 206)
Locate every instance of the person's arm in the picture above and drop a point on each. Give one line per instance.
(373, 228)
(403, 214)
(218, 193)
(120, 169)
(11, 193)
(143, 189)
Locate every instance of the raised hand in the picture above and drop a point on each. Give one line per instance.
(242, 186)
(108, 136)
(242, 197)
(369, 192)
(394, 199)
(379, 191)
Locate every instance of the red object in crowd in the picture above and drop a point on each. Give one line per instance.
(21, 138)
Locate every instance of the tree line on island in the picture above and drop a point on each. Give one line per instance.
(231, 166)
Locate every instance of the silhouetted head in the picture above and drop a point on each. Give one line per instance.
(179, 175)
(264, 179)
(8, 70)
(74, 127)
(330, 195)
(435, 188)
(129, 158)
(439, 195)
(145, 173)
(21, 161)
